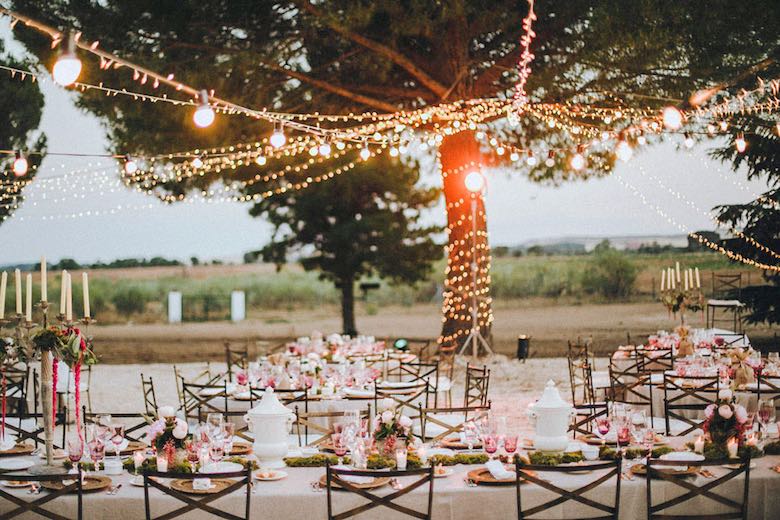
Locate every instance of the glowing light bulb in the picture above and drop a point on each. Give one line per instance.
(740, 143)
(393, 152)
(623, 151)
(551, 123)
(324, 149)
(724, 126)
(550, 161)
(531, 159)
(340, 145)
(197, 162)
(474, 181)
(278, 138)
(365, 153)
(514, 156)
(260, 160)
(710, 129)
(314, 150)
(130, 166)
(577, 161)
(673, 118)
(68, 66)
(204, 114)
(500, 150)
(20, 165)
(689, 142)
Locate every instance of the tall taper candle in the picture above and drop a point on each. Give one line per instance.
(44, 292)
(3, 283)
(686, 280)
(69, 307)
(698, 281)
(663, 278)
(677, 268)
(63, 291)
(85, 283)
(18, 283)
(28, 308)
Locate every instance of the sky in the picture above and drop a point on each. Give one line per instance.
(76, 208)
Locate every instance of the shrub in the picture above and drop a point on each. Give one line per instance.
(129, 300)
(610, 274)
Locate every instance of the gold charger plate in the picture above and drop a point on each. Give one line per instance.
(376, 483)
(185, 486)
(19, 449)
(455, 443)
(641, 469)
(482, 476)
(91, 483)
(241, 448)
(132, 447)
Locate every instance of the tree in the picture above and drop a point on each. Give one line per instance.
(349, 228)
(21, 104)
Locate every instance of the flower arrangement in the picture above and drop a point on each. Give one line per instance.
(725, 420)
(390, 425)
(168, 431)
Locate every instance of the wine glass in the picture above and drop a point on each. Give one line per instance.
(470, 435)
(490, 444)
(766, 413)
(214, 422)
(228, 430)
(339, 447)
(603, 425)
(193, 453)
(75, 451)
(510, 443)
(97, 452)
(216, 451)
(117, 436)
(623, 430)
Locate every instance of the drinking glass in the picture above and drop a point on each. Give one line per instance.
(228, 430)
(603, 425)
(117, 436)
(510, 443)
(766, 413)
(193, 453)
(75, 450)
(97, 452)
(470, 434)
(216, 451)
(623, 431)
(339, 447)
(214, 422)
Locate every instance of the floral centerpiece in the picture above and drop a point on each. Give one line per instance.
(725, 420)
(168, 433)
(390, 426)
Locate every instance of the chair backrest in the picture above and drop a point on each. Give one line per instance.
(197, 502)
(687, 396)
(200, 399)
(726, 285)
(136, 424)
(477, 386)
(658, 360)
(628, 381)
(16, 381)
(150, 397)
(311, 423)
(57, 486)
(580, 373)
(236, 357)
(732, 340)
(604, 472)
(696, 490)
(434, 416)
(421, 477)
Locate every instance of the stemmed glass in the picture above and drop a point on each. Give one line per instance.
(623, 431)
(117, 436)
(339, 447)
(470, 434)
(193, 453)
(214, 422)
(75, 451)
(510, 443)
(228, 430)
(766, 413)
(97, 451)
(490, 444)
(216, 451)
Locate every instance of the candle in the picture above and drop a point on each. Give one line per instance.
(698, 282)
(63, 291)
(686, 280)
(663, 278)
(69, 300)
(85, 283)
(18, 283)
(677, 268)
(400, 459)
(698, 444)
(3, 283)
(751, 440)
(28, 313)
(44, 295)
(732, 448)
(162, 463)
(671, 277)
(138, 458)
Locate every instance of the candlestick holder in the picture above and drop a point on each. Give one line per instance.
(46, 400)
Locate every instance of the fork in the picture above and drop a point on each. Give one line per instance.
(316, 486)
(113, 490)
(469, 482)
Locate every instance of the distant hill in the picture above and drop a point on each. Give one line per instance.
(583, 244)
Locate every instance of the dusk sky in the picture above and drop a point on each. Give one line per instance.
(130, 224)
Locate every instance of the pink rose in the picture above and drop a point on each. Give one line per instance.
(742, 415)
(709, 411)
(404, 421)
(725, 411)
(387, 416)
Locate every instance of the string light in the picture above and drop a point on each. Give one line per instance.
(577, 161)
(623, 151)
(526, 57)
(688, 142)
(260, 160)
(672, 118)
(130, 166)
(474, 182)
(365, 153)
(278, 138)
(550, 161)
(20, 165)
(740, 143)
(531, 159)
(67, 68)
(197, 162)
(204, 114)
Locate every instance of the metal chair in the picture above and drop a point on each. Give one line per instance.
(728, 508)
(150, 398)
(35, 506)
(335, 480)
(236, 357)
(588, 409)
(136, 424)
(201, 400)
(435, 416)
(692, 394)
(477, 386)
(193, 502)
(530, 473)
(725, 301)
(308, 422)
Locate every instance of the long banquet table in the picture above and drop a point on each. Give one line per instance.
(293, 498)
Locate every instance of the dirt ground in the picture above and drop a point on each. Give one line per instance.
(549, 325)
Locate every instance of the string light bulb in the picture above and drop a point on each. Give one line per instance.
(673, 118)
(130, 165)
(550, 161)
(67, 68)
(531, 159)
(623, 151)
(365, 153)
(197, 162)
(204, 114)
(724, 126)
(740, 143)
(474, 181)
(278, 138)
(324, 148)
(20, 164)
(577, 161)
(688, 141)
(260, 160)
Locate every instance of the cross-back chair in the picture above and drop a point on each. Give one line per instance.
(236, 357)
(535, 474)
(204, 377)
(203, 399)
(312, 424)
(725, 305)
(696, 489)
(732, 340)
(17, 380)
(422, 477)
(477, 386)
(630, 384)
(136, 424)
(438, 418)
(580, 375)
(656, 361)
(686, 396)
(197, 503)
(29, 425)
(30, 507)
(588, 409)
(150, 397)
(445, 359)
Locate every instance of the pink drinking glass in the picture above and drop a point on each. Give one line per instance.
(490, 443)
(339, 446)
(216, 451)
(510, 444)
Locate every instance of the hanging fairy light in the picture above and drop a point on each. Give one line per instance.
(197, 162)
(393, 151)
(130, 165)
(623, 150)
(672, 117)
(278, 138)
(550, 161)
(314, 150)
(20, 165)
(204, 114)
(577, 161)
(724, 126)
(260, 160)
(340, 145)
(740, 143)
(474, 181)
(67, 68)
(365, 153)
(711, 129)
(324, 149)
(531, 159)
(514, 156)
(688, 142)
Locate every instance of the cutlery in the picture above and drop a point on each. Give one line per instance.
(113, 490)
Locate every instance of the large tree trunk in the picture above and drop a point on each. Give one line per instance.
(460, 155)
(348, 307)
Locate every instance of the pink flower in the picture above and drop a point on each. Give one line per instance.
(725, 411)
(241, 378)
(709, 411)
(404, 421)
(742, 415)
(387, 416)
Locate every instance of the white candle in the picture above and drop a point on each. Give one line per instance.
(732, 448)
(44, 295)
(18, 283)
(28, 313)
(698, 282)
(663, 278)
(686, 280)
(671, 277)
(63, 291)
(85, 283)
(698, 444)
(69, 303)
(162, 463)
(677, 268)
(3, 283)
(138, 459)
(400, 459)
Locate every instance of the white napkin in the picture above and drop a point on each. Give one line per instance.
(7, 442)
(202, 484)
(355, 479)
(499, 472)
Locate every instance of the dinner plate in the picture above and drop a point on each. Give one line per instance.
(446, 472)
(362, 394)
(222, 467)
(209, 392)
(271, 476)
(15, 464)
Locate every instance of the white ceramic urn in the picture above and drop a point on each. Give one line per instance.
(269, 423)
(552, 416)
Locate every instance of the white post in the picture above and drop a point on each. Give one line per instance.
(237, 306)
(174, 307)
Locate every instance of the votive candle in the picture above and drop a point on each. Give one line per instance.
(698, 444)
(400, 459)
(162, 463)
(732, 448)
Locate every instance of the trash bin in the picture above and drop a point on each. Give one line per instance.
(523, 346)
